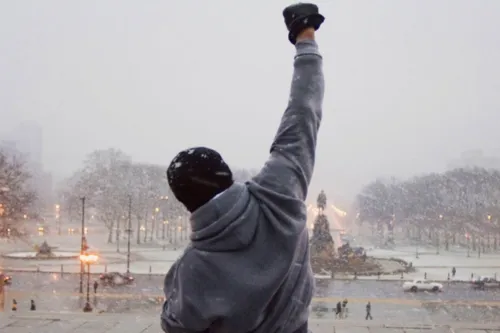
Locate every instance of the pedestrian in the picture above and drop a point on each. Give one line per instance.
(368, 311)
(344, 308)
(32, 305)
(453, 272)
(230, 252)
(96, 285)
(338, 312)
(14, 305)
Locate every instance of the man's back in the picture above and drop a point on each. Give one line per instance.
(247, 268)
(240, 271)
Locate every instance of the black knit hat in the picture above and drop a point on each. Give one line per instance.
(198, 174)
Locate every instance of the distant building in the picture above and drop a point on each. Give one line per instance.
(474, 158)
(27, 140)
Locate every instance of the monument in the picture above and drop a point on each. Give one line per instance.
(322, 244)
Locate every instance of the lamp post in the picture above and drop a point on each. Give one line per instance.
(58, 218)
(88, 259)
(118, 235)
(163, 205)
(468, 245)
(418, 240)
(163, 230)
(82, 245)
(129, 230)
(153, 224)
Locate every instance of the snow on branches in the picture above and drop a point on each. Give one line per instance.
(461, 199)
(110, 179)
(16, 197)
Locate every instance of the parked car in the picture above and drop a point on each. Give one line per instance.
(7, 280)
(422, 285)
(485, 282)
(116, 279)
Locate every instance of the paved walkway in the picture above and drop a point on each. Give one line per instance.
(112, 323)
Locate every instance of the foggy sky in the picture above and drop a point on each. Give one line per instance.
(410, 83)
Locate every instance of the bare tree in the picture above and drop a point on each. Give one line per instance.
(16, 197)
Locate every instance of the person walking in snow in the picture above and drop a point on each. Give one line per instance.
(96, 285)
(344, 308)
(338, 310)
(247, 267)
(32, 305)
(368, 311)
(453, 272)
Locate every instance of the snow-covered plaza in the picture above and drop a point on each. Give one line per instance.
(157, 256)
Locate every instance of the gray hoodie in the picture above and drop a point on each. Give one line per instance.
(247, 268)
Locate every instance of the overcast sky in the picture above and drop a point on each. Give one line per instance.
(410, 83)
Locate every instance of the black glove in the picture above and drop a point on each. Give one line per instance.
(301, 16)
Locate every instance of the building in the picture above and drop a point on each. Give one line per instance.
(26, 140)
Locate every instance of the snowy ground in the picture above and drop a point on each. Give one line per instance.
(437, 266)
(152, 257)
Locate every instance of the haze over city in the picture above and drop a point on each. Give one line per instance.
(410, 84)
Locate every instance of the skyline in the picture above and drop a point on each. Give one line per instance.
(410, 85)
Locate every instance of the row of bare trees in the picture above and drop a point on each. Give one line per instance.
(460, 201)
(17, 198)
(110, 180)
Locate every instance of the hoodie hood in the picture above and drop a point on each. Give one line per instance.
(227, 222)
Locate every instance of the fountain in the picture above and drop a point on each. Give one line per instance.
(326, 261)
(42, 252)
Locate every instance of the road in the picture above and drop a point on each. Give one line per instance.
(52, 292)
(153, 285)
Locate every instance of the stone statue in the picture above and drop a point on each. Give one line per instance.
(322, 244)
(321, 201)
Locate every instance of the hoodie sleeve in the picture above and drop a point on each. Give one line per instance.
(289, 169)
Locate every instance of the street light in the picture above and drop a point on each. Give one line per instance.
(163, 231)
(88, 259)
(58, 218)
(129, 230)
(83, 244)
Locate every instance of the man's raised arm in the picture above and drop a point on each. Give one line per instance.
(290, 167)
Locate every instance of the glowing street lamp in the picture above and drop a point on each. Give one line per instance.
(163, 230)
(58, 219)
(88, 259)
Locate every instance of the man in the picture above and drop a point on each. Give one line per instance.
(247, 267)
(338, 311)
(368, 311)
(344, 308)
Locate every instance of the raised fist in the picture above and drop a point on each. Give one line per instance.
(301, 16)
